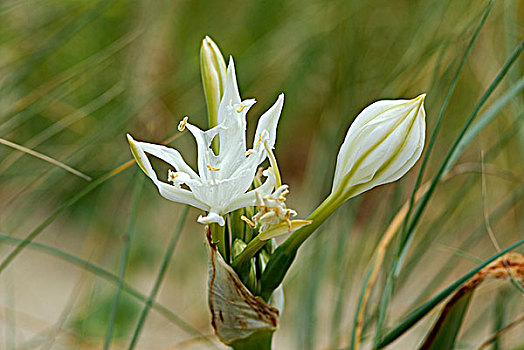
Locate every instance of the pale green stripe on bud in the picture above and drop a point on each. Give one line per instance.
(382, 144)
(213, 70)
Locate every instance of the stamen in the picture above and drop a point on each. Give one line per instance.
(242, 106)
(247, 221)
(209, 167)
(282, 197)
(288, 222)
(171, 176)
(249, 152)
(273, 162)
(182, 124)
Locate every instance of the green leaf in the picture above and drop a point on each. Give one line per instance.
(160, 276)
(445, 331)
(124, 259)
(110, 277)
(425, 308)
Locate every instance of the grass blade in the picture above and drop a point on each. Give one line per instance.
(110, 277)
(93, 185)
(445, 331)
(125, 257)
(160, 276)
(44, 158)
(408, 233)
(425, 308)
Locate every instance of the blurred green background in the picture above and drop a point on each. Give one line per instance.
(76, 76)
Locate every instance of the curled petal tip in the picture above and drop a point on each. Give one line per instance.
(211, 218)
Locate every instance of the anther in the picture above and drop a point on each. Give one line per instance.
(171, 176)
(247, 221)
(242, 106)
(182, 124)
(249, 152)
(209, 167)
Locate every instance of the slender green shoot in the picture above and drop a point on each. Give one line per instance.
(124, 258)
(160, 276)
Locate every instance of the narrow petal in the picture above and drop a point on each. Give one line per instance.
(141, 158)
(248, 199)
(231, 95)
(173, 193)
(205, 155)
(233, 138)
(179, 195)
(269, 121)
(232, 117)
(168, 155)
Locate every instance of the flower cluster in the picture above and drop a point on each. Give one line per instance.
(272, 209)
(223, 180)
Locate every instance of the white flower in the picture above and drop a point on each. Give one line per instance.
(223, 180)
(272, 209)
(382, 144)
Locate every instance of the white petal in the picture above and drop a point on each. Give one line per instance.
(211, 218)
(141, 158)
(219, 194)
(232, 117)
(168, 155)
(205, 155)
(233, 138)
(167, 191)
(408, 155)
(269, 121)
(248, 199)
(231, 95)
(179, 195)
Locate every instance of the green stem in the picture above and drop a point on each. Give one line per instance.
(249, 251)
(284, 255)
(218, 233)
(258, 341)
(124, 259)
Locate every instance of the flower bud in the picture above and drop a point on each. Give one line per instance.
(213, 70)
(383, 143)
